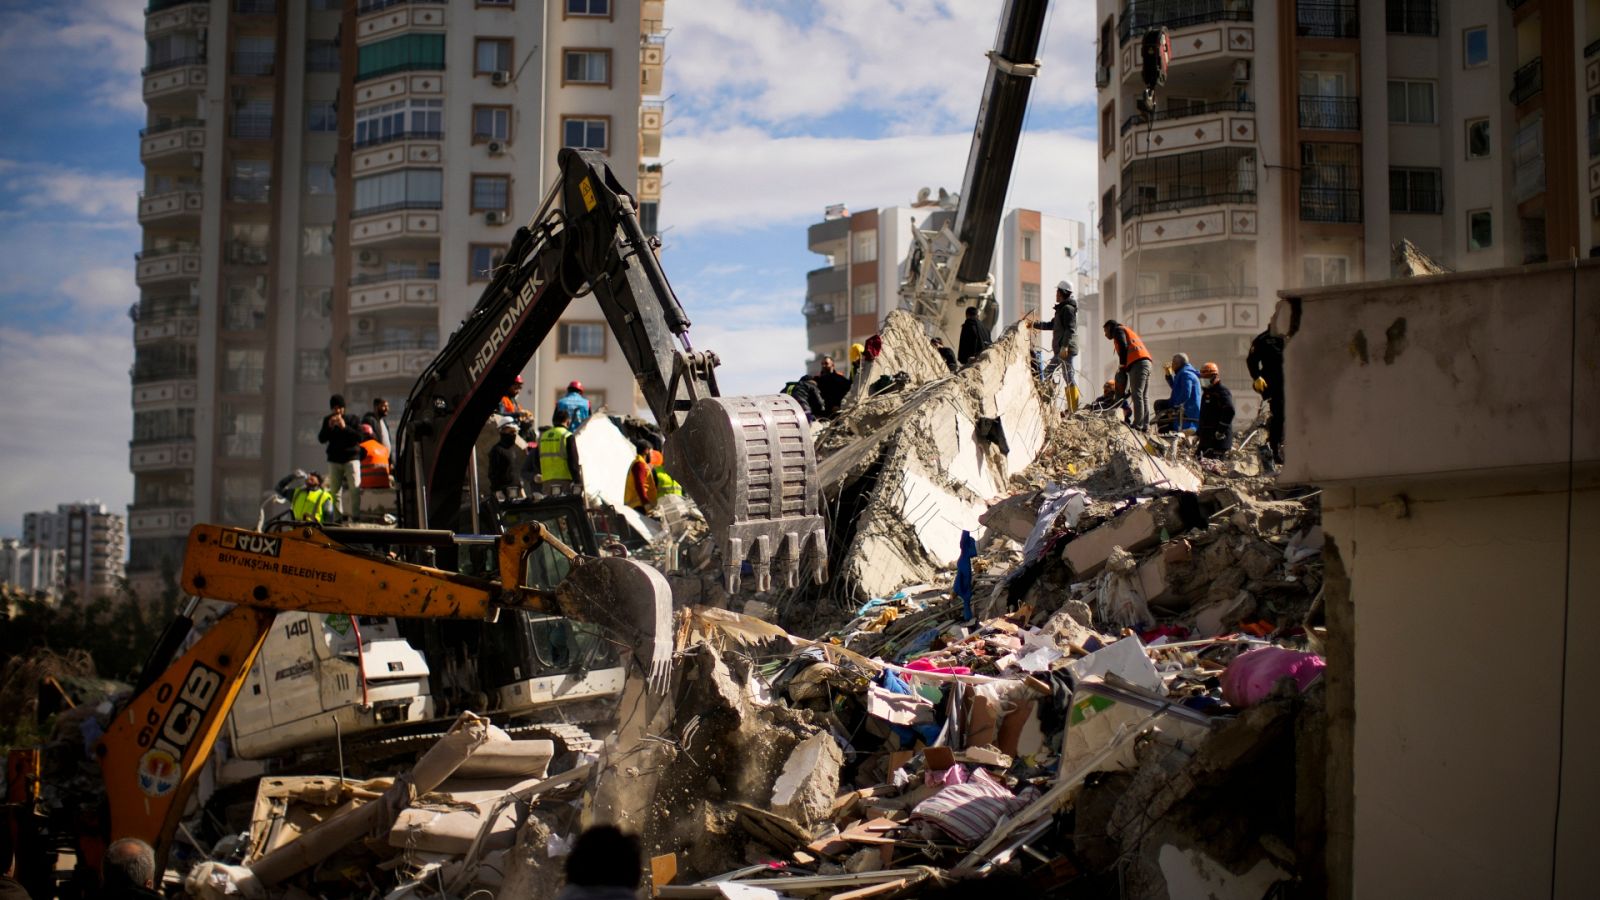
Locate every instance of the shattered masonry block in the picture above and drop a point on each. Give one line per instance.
(1157, 574)
(805, 790)
(1134, 529)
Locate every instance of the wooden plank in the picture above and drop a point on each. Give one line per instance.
(874, 890)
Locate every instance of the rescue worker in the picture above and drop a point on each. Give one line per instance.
(311, 501)
(805, 391)
(1133, 371)
(945, 353)
(558, 456)
(378, 419)
(1063, 341)
(974, 338)
(1216, 414)
(374, 461)
(1110, 399)
(1184, 404)
(640, 490)
(575, 403)
(505, 462)
(344, 458)
(1265, 364)
(508, 404)
(665, 483)
(832, 387)
(856, 352)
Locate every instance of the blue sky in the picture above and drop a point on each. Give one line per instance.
(778, 108)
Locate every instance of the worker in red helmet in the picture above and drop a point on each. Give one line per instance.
(1216, 414)
(576, 404)
(508, 404)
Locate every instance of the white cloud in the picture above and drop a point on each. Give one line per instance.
(59, 192)
(102, 288)
(757, 358)
(94, 46)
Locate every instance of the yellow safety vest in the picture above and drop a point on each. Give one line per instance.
(665, 484)
(308, 504)
(553, 454)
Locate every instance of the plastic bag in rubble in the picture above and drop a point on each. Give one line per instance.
(1251, 676)
(1119, 600)
(1054, 503)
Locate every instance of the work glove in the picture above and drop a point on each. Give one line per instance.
(1260, 384)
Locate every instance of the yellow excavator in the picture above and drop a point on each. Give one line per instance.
(747, 462)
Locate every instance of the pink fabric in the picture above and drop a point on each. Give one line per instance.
(956, 774)
(1252, 676)
(969, 812)
(922, 665)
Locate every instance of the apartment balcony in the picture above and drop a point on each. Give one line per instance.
(1421, 19)
(397, 151)
(1335, 19)
(652, 114)
(652, 15)
(828, 280)
(1187, 129)
(163, 329)
(179, 142)
(1197, 219)
(1528, 177)
(171, 207)
(369, 294)
(164, 390)
(652, 59)
(1198, 311)
(171, 519)
(378, 19)
(396, 360)
(829, 237)
(1528, 81)
(153, 267)
(1328, 204)
(407, 223)
(175, 79)
(649, 182)
(400, 86)
(1330, 113)
(174, 15)
(158, 455)
(824, 329)
(1139, 16)
(1209, 38)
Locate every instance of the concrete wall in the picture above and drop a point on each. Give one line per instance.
(1465, 506)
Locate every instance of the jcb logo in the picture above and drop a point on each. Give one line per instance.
(250, 542)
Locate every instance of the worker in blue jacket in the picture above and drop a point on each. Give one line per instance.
(1184, 405)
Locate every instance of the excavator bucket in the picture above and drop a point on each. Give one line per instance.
(749, 463)
(631, 603)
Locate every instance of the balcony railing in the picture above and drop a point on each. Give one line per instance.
(1183, 112)
(1327, 18)
(240, 253)
(358, 348)
(1183, 295)
(173, 125)
(1412, 17)
(819, 314)
(1323, 204)
(1528, 81)
(396, 206)
(1133, 205)
(154, 309)
(1413, 199)
(147, 374)
(176, 62)
(400, 136)
(367, 6)
(1331, 113)
(431, 273)
(407, 66)
(1139, 16)
(158, 252)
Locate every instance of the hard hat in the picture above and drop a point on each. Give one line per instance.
(1110, 386)
(1209, 370)
(507, 422)
(575, 386)
(366, 429)
(517, 380)
(855, 352)
(1064, 287)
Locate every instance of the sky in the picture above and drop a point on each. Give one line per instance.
(777, 109)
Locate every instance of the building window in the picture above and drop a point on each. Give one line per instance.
(586, 67)
(251, 181)
(1318, 270)
(1411, 103)
(1416, 190)
(1108, 129)
(316, 240)
(1478, 144)
(588, 7)
(241, 427)
(406, 53)
(244, 371)
(240, 498)
(1480, 229)
(583, 339)
(1330, 182)
(1474, 47)
(491, 192)
(311, 366)
(864, 246)
(491, 55)
(1108, 214)
(1030, 298)
(252, 120)
(316, 303)
(405, 189)
(322, 56)
(414, 118)
(649, 217)
(491, 123)
(1030, 246)
(319, 179)
(586, 134)
(483, 259)
(864, 300)
(1413, 17)
(253, 55)
(322, 117)
(245, 306)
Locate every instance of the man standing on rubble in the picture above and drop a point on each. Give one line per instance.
(1064, 341)
(832, 386)
(344, 459)
(974, 338)
(946, 354)
(1133, 370)
(1216, 414)
(1184, 404)
(505, 462)
(640, 490)
(558, 456)
(1265, 363)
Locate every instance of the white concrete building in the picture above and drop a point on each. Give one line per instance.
(31, 569)
(327, 184)
(91, 543)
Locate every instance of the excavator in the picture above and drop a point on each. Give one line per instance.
(747, 462)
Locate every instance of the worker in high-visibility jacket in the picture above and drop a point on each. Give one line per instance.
(558, 456)
(639, 492)
(666, 484)
(311, 501)
(374, 461)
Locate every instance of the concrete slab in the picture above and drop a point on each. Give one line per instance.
(1134, 529)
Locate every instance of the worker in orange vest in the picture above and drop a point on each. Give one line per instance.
(640, 490)
(374, 461)
(1133, 370)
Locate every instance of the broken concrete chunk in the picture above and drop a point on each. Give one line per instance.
(805, 789)
(1134, 529)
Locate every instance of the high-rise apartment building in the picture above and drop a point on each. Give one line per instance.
(90, 541)
(328, 185)
(1296, 141)
(34, 570)
(847, 299)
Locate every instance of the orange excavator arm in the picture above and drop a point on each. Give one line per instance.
(154, 749)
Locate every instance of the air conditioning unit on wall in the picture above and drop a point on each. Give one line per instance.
(494, 217)
(497, 148)
(368, 258)
(500, 78)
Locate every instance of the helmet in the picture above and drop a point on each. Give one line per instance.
(517, 380)
(507, 422)
(366, 429)
(575, 386)
(1110, 386)
(1063, 287)
(1210, 370)
(855, 352)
